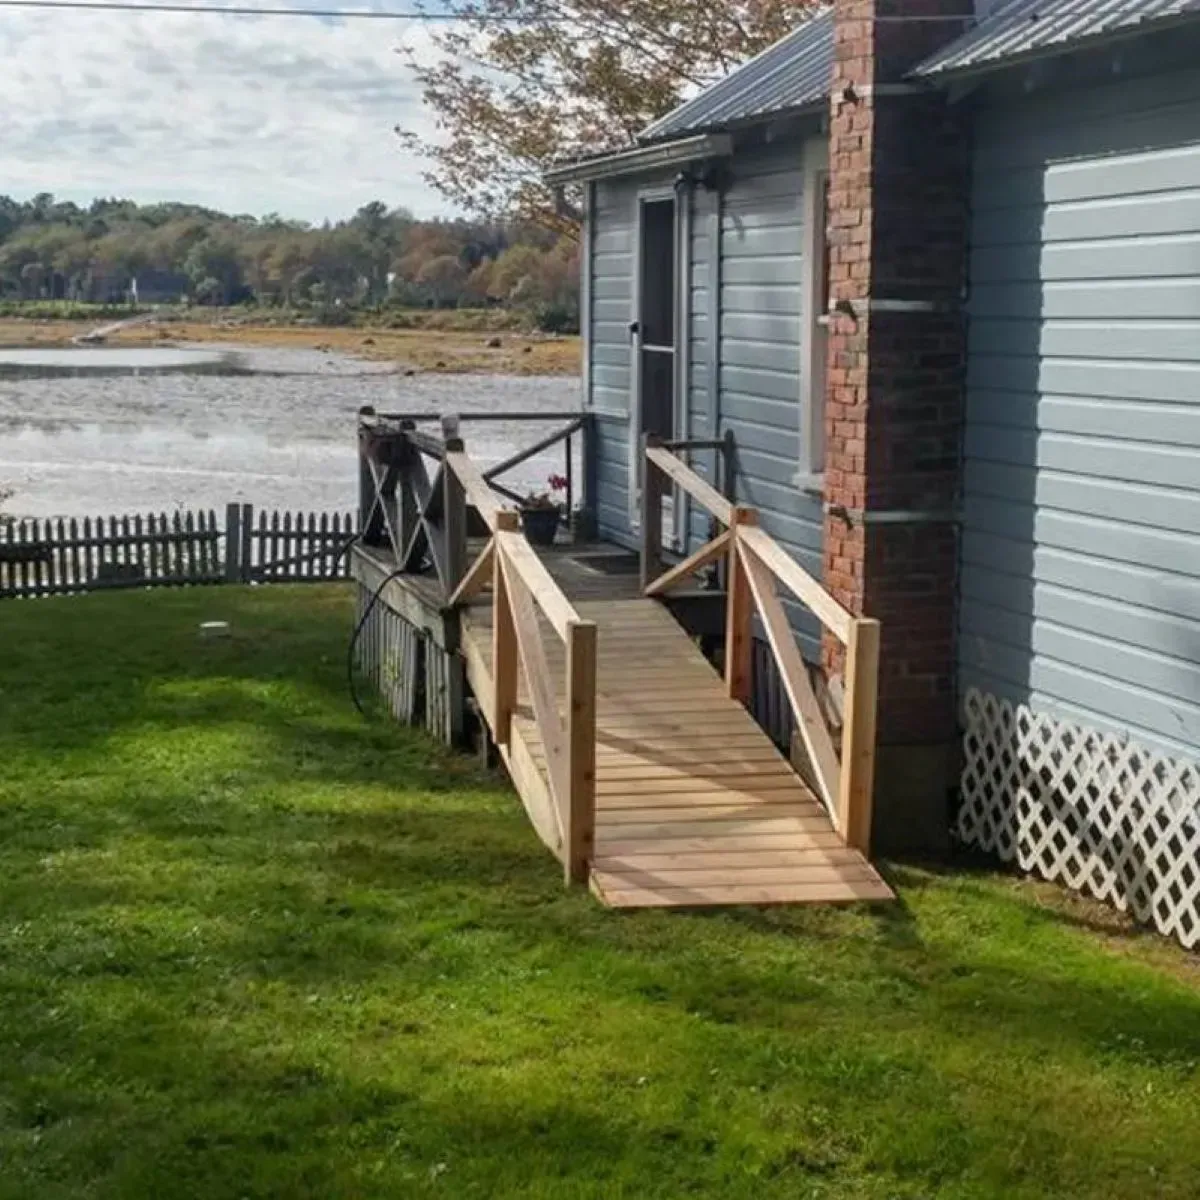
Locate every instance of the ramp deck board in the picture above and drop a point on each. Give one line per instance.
(695, 806)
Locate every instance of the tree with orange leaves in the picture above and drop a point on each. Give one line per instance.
(516, 85)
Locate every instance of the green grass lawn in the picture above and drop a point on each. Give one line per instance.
(251, 945)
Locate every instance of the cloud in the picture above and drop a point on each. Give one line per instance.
(246, 114)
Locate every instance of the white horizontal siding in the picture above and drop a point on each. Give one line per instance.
(1081, 544)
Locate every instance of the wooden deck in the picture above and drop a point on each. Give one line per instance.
(638, 764)
(694, 804)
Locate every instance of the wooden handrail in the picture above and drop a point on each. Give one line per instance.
(538, 682)
(695, 485)
(427, 443)
(556, 608)
(580, 840)
(527, 452)
(478, 491)
(855, 797)
(810, 722)
(422, 517)
(394, 486)
(520, 416)
(477, 576)
(846, 787)
(756, 563)
(709, 552)
(523, 587)
(799, 582)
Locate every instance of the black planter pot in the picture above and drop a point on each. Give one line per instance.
(540, 525)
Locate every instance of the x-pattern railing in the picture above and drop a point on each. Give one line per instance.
(421, 517)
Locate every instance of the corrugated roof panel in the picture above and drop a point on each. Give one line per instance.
(796, 70)
(792, 73)
(1032, 26)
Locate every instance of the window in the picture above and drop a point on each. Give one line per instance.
(815, 333)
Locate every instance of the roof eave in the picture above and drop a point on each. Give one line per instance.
(655, 156)
(809, 108)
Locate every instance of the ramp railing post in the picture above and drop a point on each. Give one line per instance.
(856, 793)
(581, 750)
(728, 468)
(504, 639)
(454, 522)
(652, 498)
(367, 518)
(739, 612)
(588, 517)
(403, 511)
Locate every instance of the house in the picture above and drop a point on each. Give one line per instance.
(936, 267)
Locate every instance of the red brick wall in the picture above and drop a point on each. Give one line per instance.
(899, 187)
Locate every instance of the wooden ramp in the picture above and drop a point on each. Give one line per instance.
(639, 765)
(694, 804)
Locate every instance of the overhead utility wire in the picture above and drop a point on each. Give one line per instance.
(357, 14)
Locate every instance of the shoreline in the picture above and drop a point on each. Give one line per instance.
(435, 351)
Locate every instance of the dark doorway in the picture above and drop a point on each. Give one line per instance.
(656, 319)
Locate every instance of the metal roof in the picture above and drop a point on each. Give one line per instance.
(795, 72)
(791, 74)
(1023, 28)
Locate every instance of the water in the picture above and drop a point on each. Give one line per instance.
(51, 362)
(273, 428)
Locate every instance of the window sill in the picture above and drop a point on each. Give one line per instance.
(811, 483)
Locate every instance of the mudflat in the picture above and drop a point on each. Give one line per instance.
(420, 349)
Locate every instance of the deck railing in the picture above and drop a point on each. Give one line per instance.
(756, 566)
(411, 504)
(421, 518)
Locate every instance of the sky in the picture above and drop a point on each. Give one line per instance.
(243, 114)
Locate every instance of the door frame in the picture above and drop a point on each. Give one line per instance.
(650, 194)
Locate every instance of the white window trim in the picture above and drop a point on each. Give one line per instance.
(814, 335)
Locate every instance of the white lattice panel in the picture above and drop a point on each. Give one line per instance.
(1092, 810)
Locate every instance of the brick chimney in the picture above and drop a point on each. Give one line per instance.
(899, 187)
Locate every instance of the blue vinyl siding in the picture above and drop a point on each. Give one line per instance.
(745, 294)
(699, 421)
(612, 282)
(1080, 576)
(761, 300)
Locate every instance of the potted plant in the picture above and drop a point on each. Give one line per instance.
(542, 511)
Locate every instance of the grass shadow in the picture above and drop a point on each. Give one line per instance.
(253, 946)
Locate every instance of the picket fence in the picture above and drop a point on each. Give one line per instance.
(63, 555)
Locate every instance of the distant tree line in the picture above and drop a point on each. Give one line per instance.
(118, 251)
